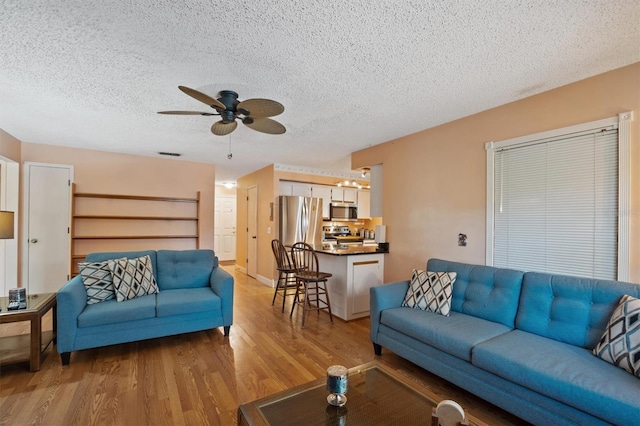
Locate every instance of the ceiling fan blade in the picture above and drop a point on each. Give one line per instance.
(220, 128)
(212, 102)
(260, 108)
(186, 113)
(266, 125)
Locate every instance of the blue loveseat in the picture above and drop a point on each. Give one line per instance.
(194, 294)
(521, 341)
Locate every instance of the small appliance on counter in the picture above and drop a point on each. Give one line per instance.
(381, 238)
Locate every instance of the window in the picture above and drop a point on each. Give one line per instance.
(556, 201)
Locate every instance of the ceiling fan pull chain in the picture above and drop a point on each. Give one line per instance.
(230, 154)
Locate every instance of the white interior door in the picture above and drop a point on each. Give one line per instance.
(224, 241)
(47, 210)
(252, 231)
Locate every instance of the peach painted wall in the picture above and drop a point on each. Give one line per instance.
(434, 181)
(114, 173)
(263, 180)
(10, 147)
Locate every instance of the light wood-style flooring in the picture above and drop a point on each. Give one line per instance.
(201, 378)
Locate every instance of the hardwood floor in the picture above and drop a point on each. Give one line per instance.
(201, 378)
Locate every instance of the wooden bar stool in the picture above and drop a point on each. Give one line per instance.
(286, 284)
(311, 288)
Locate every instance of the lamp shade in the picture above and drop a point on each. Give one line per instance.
(6, 225)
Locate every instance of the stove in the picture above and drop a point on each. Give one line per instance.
(336, 231)
(341, 234)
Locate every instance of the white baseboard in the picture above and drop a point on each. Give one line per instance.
(265, 280)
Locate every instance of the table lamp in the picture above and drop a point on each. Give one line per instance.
(6, 225)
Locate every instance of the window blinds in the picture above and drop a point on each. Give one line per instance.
(556, 205)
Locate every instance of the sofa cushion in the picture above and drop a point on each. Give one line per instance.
(185, 301)
(456, 334)
(185, 268)
(483, 291)
(569, 309)
(564, 372)
(620, 343)
(112, 312)
(430, 291)
(133, 277)
(97, 280)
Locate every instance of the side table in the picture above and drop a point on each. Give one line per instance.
(28, 347)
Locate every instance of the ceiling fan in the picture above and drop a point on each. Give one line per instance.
(253, 113)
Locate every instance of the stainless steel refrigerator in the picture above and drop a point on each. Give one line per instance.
(300, 220)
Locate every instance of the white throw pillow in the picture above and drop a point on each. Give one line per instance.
(620, 343)
(430, 291)
(97, 280)
(133, 277)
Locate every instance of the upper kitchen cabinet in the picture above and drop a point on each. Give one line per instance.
(344, 195)
(323, 192)
(364, 204)
(285, 187)
(298, 189)
(301, 189)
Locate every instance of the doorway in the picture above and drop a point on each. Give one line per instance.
(224, 238)
(252, 231)
(47, 216)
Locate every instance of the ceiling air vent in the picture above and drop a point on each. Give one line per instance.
(170, 154)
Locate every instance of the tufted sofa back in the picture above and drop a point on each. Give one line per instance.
(483, 291)
(570, 309)
(185, 268)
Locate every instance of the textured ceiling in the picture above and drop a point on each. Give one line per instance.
(93, 74)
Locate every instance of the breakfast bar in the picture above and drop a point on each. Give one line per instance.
(355, 268)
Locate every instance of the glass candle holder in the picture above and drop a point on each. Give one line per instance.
(337, 385)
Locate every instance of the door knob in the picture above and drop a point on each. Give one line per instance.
(254, 237)
(34, 240)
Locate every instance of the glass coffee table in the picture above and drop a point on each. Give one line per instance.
(375, 395)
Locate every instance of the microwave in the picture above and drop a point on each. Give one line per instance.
(343, 212)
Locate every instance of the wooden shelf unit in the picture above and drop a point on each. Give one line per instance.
(145, 217)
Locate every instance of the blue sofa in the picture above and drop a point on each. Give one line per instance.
(194, 294)
(521, 341)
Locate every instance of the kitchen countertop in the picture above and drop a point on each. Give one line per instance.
(351, 249)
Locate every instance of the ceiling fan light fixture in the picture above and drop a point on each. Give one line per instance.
(256, 112)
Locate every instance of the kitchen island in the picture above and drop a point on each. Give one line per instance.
(355, 268)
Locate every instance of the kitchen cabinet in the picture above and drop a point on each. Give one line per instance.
(285, 187)
(344, 195)
(364, 205)
(353, 276)
(324, 192)
(337, 195)
(350, 196)
(299, 189)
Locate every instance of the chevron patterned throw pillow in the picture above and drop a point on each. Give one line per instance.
(620, 343)
(430, 291)
(133, 277)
